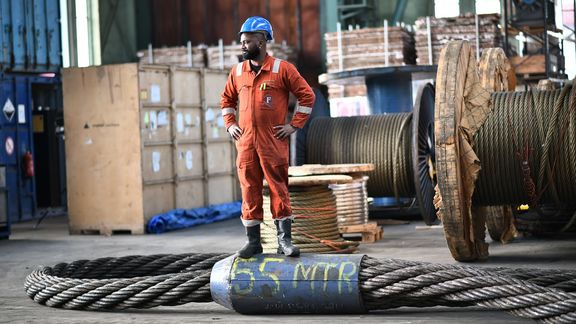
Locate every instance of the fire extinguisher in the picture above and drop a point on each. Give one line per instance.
(28, 165)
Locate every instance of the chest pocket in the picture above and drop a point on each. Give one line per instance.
(244, 95)
(269, 94)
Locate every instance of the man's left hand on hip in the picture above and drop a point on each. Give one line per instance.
(283, 131)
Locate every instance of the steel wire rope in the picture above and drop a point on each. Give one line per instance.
(534, 127)
(547, 295)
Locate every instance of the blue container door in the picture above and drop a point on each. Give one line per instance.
(16, 140)
(30, 36)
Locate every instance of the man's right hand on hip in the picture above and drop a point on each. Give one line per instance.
(235, 131)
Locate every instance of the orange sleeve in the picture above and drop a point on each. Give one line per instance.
(229, 100)
(300, 88)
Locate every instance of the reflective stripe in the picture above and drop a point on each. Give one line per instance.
(291, 217)
(304, 110)
(250, 222)
(239, 69)
(228, 111)
(276, 66)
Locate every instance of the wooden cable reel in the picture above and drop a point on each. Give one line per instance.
(461, 107)
(464, 103)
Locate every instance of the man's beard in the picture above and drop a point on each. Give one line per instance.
(251, 54)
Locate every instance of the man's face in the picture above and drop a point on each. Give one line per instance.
(251, 43)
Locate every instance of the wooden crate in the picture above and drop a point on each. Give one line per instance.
(138, 144)
(371, 231)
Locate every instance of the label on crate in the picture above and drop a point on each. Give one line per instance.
(189, 163)
(179, 123)
(155, 93)
(156, 161)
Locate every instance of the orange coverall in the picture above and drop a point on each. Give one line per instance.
(263, 102)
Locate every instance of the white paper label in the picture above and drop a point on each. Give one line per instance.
(21, 114)
(189, 160)
(162, 118)
(209, 115)
(155, 161)
(153, 120)
(215, 132)
(179, 123)
(188, 119)
(155, 93)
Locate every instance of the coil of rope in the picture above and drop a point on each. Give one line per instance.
(166, 280)
(351, 202)
(315, 227)
(400, 145)
(529, 145)
(353, 139)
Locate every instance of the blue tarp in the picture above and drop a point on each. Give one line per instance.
(183, 218)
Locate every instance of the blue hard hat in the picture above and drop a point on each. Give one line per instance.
(257, 24)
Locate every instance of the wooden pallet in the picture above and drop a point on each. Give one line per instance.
(371, 232)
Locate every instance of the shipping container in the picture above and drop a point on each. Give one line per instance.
(4, 222)
(30, 36)
(27, 100)
(143, 140)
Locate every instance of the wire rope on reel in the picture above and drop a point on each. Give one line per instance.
(399, 145)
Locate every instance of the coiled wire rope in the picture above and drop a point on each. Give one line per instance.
(384, 140)
(166, 280)
(315, 227)
(528, 144)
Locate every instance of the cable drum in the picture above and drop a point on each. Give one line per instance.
(400, 145)
(380, 139)
(527, 149)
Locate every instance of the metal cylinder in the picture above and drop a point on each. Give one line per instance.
(275, 284)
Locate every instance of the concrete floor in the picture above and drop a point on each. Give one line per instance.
(51, 244)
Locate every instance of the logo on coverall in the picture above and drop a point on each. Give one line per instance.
(268, 100)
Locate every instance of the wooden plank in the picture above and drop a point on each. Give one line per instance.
(219, 157)
(531, 64)
(371, 232)
(157, 163)
(155, 124)
(315, 169)
(221, 189)
(103, 158)
(186, 87)
(318, 180)
(187, 124)
(158, 198)
(189, 160)
(190, 193)
(154, 85)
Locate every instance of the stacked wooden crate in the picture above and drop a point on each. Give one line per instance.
(177, 56)
(365, 48)
(142, 140)
(443, 30)
(224, 57)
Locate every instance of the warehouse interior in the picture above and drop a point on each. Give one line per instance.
(434, 179)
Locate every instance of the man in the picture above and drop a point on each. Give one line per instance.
(261, 85)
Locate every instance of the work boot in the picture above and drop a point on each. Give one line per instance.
(284, 228)
(253, 245)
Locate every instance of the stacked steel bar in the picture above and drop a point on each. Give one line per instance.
(179, 56)
(443, 30)
(365, 48)
(227, 55)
